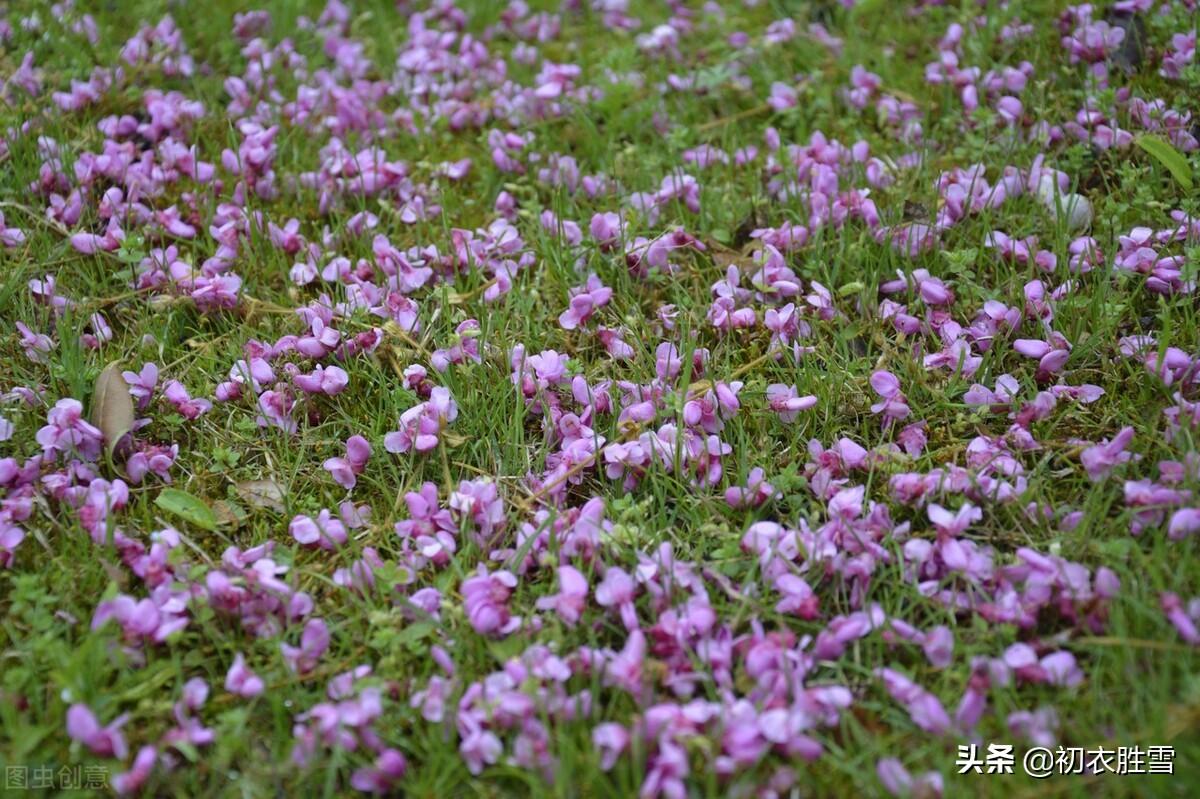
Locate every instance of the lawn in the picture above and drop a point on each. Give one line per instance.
(603, 398)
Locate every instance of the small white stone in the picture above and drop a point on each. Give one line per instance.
(1076, 207)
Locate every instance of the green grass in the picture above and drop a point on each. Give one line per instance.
(1142, 682)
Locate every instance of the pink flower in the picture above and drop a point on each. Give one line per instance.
(175, 393)
(953, 523)
(617, 590)
(83, 727)
(382, 777)
(36, 345)
(241, 680)
(785, 401)
(313, 643)
(798, 598)
(326, 531)
(11, 537)
(571, 598)
(345, 470)
(276, 407)
(1184, 620)
(923, 707)
(1100, 459)
(892, 405)
(756, 492)
(485, 600)
(131, 781)
(142, 384)
(611, 740)
(328, 380)
(898, 782)
(68, 432)
(585, 301)
(421, 424)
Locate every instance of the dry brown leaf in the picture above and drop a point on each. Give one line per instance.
(112, 407)
(262, 494)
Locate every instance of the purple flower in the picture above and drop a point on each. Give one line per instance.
(380, 778)
(313, 643)
(892, 405)
(68, 432)
(953, 523)
(1183, 619)
(923, 707)
(326, 531)
(276, 407)
(611, 740)
(142, 384)
(585, 301)
(898, 782)
(83, 727)
(1100, 459)
(756, 492)
(571, 598)
(785, 401)
(345, 470)
(151, 458)
(241, 680)
(130, 782)
(485, 600)
(421, 424)
(11, 537)
(175, 393)
(328, 380)
(617, 590)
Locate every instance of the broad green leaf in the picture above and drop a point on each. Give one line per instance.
(1169, 157)
(187, 507)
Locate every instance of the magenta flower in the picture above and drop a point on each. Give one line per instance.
(175, 393)
(67, 432)
(151, 459)
(1051, 356)
(1183, 619)
(326, 531)
(83, 727)
(892, 405)
(585, 301)
(276, 407)
(383, 775)
(421, 424)
(755, 493)
(571, 598)
(345, 470)
(925, 710)
(314, 640)
(1100, 459)
(485, 600)
(954, 523)
(617, 590)
(11, 537)
(785, 401)
(142, 384)
(798, 598)
(241, 680)
(898, 782)
(328, 380)
(611, 740)
(131, 782)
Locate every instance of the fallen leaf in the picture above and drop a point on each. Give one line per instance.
(262, 494)
(112, 407)
(187, 507)
(228, 514)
